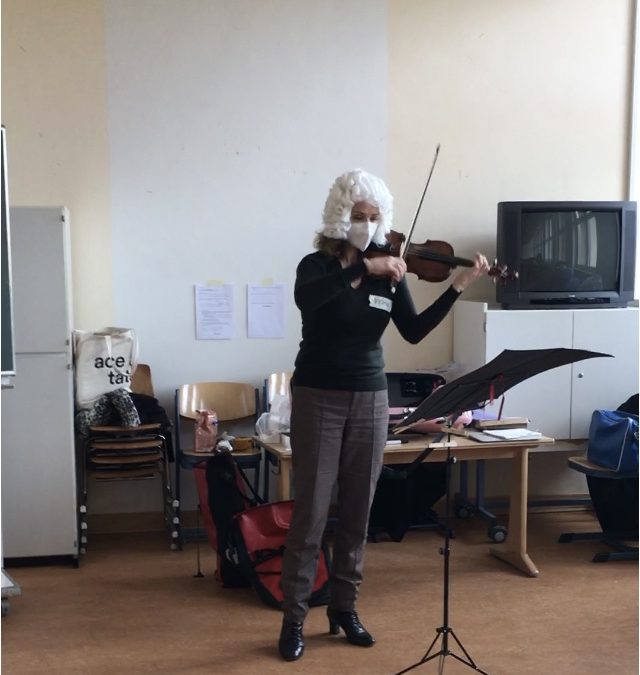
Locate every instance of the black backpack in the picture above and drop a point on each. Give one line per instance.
(226, 497)
(404, 496)
(151, 412)
(630, 405)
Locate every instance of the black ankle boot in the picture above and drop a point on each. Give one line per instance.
(291, 643)
(350, 623)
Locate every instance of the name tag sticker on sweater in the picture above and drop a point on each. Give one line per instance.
(380, 302)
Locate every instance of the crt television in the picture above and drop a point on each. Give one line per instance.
(567, 254)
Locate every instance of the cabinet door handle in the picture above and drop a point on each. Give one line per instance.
(580, 375)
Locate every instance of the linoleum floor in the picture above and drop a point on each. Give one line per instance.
(133, 606)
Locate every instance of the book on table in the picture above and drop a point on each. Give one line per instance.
(496, 435)
(502, 423)
(513, 434)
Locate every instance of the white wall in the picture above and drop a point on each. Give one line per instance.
(228, 124)
(634, 112)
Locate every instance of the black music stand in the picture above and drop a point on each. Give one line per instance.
(469, 392)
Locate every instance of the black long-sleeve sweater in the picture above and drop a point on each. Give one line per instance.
(342, 325)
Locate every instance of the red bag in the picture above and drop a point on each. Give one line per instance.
(260, 534)
(249, 539)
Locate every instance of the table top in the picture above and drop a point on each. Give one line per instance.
(461, 447)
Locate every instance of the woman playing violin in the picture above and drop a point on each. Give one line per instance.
(339, 416)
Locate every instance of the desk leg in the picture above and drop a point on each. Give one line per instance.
(266, 463)
(514, 551)
(284, 479)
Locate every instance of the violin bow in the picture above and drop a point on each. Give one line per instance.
(424, 192)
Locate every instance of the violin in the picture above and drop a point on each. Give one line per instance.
(433, 260)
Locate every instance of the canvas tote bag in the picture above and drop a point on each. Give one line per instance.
(104, 361)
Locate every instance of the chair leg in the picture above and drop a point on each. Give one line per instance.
(176, 503)
(622, 552)
(198, 573)
(168, 505)
(82, 508)
(83, 526)
(165, 510)
(173, 509)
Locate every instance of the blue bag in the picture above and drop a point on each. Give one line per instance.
(613, 440)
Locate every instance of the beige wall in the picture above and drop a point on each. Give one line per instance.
(529, 100)
(54, 106)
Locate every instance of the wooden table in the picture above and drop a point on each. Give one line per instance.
(514, 550)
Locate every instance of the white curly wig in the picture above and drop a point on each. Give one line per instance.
(349, 189)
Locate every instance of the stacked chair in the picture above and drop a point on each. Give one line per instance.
(134, 453)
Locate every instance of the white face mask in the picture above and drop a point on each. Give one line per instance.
(361, 233)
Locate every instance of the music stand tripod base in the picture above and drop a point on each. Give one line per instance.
(444, 651)
(445, 630)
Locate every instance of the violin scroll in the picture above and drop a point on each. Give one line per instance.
(500, 273)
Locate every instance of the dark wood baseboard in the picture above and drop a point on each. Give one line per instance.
(42, 561)
(117, 523)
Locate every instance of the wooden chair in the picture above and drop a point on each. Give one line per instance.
(120, 453)
(236, 405)
(141, 382)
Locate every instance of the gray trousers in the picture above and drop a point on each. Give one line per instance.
(336, 436)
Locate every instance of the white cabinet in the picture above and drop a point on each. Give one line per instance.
(38, 455)
(560, 401)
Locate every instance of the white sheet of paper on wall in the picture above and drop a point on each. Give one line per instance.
(266, 310)
(214, 311)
